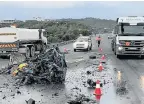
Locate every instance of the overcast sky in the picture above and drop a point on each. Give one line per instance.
(69, 9)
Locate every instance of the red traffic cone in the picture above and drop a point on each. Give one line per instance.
(98, 92)
(103, 59)
(100, 50)
(100, 67)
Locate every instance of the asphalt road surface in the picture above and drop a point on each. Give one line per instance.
(124, 80)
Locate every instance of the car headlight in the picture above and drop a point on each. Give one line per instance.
(86, 45)
(120, 48)
(74, 45)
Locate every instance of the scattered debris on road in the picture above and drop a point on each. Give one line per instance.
(88, 72)
(82, 99)
(48, 67)
(92, 84)
(92, 57)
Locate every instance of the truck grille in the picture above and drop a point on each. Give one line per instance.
(134, 46)
(133, 43)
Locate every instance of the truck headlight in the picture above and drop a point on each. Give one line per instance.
(120, 48)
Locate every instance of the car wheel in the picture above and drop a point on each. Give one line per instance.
(87, 49)
(112, 49)
(74, 50)
(91, 47)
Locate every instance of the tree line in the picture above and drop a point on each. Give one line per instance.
(57, 31)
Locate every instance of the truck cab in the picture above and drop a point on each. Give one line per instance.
(128, 36)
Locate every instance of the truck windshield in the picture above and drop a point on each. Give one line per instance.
(131, 30)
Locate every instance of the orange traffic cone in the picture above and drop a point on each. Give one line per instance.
(98, 92)
(100, 67)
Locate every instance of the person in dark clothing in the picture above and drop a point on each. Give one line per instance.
(99, 41)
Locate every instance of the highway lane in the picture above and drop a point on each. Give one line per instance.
(131, 69)
(78, 64)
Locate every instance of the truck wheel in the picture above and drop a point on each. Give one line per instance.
(142, 57)
(32, 51)
(4, 57)
(27, 54)
(118, 56)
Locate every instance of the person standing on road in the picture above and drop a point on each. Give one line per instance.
(99, 40)
(11, 61)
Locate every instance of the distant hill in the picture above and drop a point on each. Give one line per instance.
(95, 23)
(67, 29)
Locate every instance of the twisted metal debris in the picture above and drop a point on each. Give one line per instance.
(48, 67)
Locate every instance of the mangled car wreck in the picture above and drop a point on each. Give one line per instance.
(48, 67)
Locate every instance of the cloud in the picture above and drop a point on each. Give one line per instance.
(111, 3)
(42, 4)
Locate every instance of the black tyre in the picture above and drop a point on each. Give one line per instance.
(4, 57)
(87, 49)
(112, 49)
(118, 56)
(92, 57)
(91, 47)
(142, 57)
(32, 51)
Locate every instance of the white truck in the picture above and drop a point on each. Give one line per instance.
(24, 41)
(128, 36)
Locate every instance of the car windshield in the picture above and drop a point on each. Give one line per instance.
(131, 30)
(82, 40)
